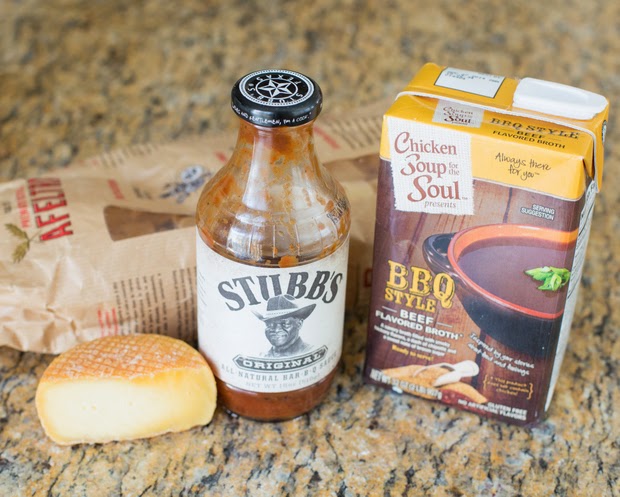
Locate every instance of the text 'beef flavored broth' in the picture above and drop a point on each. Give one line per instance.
(486, 193)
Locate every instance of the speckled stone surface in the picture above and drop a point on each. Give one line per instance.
(78, 78)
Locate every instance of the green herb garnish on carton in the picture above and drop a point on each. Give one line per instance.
(553, 278)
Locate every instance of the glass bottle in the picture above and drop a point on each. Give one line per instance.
(272, 249)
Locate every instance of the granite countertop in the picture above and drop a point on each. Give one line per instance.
(79, 78)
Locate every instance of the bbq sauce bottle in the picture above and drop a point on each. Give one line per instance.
(272, 250)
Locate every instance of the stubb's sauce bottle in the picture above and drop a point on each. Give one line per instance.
(272, 249)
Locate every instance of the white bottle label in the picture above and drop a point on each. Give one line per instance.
(270, 329)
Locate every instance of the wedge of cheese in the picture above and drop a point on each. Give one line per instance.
(124, 388)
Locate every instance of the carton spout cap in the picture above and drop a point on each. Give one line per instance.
(557, 99)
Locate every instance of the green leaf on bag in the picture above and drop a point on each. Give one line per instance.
(16, 231)
(20, 251)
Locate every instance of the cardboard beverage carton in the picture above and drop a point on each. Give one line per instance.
(485, 199)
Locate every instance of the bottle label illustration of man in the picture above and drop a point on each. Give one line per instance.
(283, 321)
(271, 329)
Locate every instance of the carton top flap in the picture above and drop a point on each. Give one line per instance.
(530, 98)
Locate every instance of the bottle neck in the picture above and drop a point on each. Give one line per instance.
(274, 146)
(275, 159)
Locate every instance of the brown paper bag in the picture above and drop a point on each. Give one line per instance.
(107, 246)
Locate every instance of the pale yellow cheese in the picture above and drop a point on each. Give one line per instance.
(124, 388)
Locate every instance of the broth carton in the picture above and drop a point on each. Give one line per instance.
(485, 199)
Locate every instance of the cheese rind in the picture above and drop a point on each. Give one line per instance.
(124, 388)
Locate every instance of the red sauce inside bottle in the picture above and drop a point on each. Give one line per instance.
(275, 206)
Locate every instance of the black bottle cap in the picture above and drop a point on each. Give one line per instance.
(274, 98)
